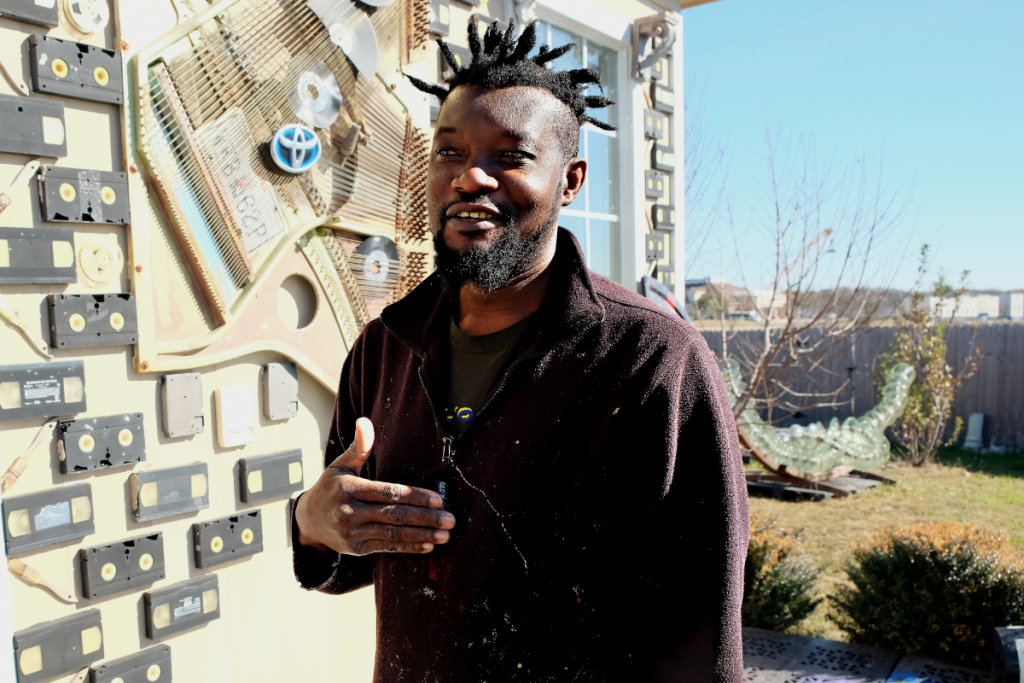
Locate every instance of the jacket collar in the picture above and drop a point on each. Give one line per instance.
(570, 305)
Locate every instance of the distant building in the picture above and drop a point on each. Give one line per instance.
(973, 306)
(737, 298)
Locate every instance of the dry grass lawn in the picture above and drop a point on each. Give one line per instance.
(987, 490)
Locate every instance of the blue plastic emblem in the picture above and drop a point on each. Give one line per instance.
(295, 148)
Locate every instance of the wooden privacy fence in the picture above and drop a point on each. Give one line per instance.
(997, 389)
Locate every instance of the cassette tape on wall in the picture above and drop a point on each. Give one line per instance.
(274, 157)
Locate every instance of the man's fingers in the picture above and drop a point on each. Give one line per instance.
(378, 546)
(353, 458)
(384, 492)
(408, 515)
(403, 534)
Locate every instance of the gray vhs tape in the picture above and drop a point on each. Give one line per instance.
(663, 98)
(656, 244)
(270, 476)
(32, 126)
(77, 195)
(79, 320)
(440, 17)
(654, 184)
(93, 443)
(655, 125)
(41, 12)
(152, 665)
(70, 69)
(34, 520)
(170, 491)
(37, 256)
(181, 606)
(181, 400)
(223, 540)
(59, 647)
(34, 390)
(122, 566)
(663, 217)
(280, 391)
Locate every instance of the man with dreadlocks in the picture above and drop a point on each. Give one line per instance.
(536, 468)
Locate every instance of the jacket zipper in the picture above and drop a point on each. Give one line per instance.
(447, 441)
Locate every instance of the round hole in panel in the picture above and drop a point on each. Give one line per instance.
(59, 68)
(101, 76)
(153, 673)
(86, 443)
(117, 321)
(76, 322)
(108, 571)
(125, 437)
(217, 544)
(68, 192)
(247, 536)
(296, 302)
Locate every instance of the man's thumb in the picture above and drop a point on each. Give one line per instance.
(359, 451)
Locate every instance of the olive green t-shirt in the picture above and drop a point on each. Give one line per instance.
(477, 363)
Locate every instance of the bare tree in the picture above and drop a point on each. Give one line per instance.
(828, 275)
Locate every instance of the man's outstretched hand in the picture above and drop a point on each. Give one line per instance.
(349, 514)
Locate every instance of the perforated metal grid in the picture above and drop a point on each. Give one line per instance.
(771, 657)
(914, 669)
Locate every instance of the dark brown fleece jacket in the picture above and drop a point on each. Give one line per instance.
(599, 496)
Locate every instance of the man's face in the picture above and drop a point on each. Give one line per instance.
(495, 183)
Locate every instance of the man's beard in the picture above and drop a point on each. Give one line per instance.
(495, 266)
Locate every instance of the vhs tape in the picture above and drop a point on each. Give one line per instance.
(226, 539)
(269, 476)
(34, 520)
(41, 12)
(32, 126)
(654, 184)
(663, 99)
(152, 665)
(170, 491)
(663, 158)
(663, 217)
(80, 320)
(58, 647)
(70, 69)
(181, 606)
(121, 566)
(655, 125)
(657, 246)
(37, 256)
(33, 390)
(92, 443)
(77, 195)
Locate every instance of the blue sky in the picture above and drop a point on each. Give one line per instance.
(934, 89)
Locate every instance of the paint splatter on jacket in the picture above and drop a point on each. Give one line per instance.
(600, 502)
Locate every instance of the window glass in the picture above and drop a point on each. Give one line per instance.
(593, 216)
(602, 173)
(601, 235)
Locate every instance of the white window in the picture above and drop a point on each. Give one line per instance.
(594, 215)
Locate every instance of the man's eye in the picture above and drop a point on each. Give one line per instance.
(445, 152)
(513, 154)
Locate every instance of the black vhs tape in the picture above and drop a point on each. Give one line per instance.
(32, 126)
(76, 195)
(70, 69)
(121, 566)
(37, 256)
(181, 606)
(269, 476)
(152, 665)
(92, 443)
(226, 539)
(34, 520)
(79, 320)
(41, 12)
(663, 217)
(59, 647)
(655, 125)
(170, 491)
(33, 390)
(663, 158)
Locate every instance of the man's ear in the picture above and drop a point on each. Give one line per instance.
(575, 174)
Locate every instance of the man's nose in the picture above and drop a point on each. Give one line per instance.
(474, 180)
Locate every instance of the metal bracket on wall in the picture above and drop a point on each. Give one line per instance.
(653, 37)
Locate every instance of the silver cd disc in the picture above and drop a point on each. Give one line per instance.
(379, 253)
(316, 99)
(350, 29)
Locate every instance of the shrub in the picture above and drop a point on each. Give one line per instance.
(778, 581)
(936, 589)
